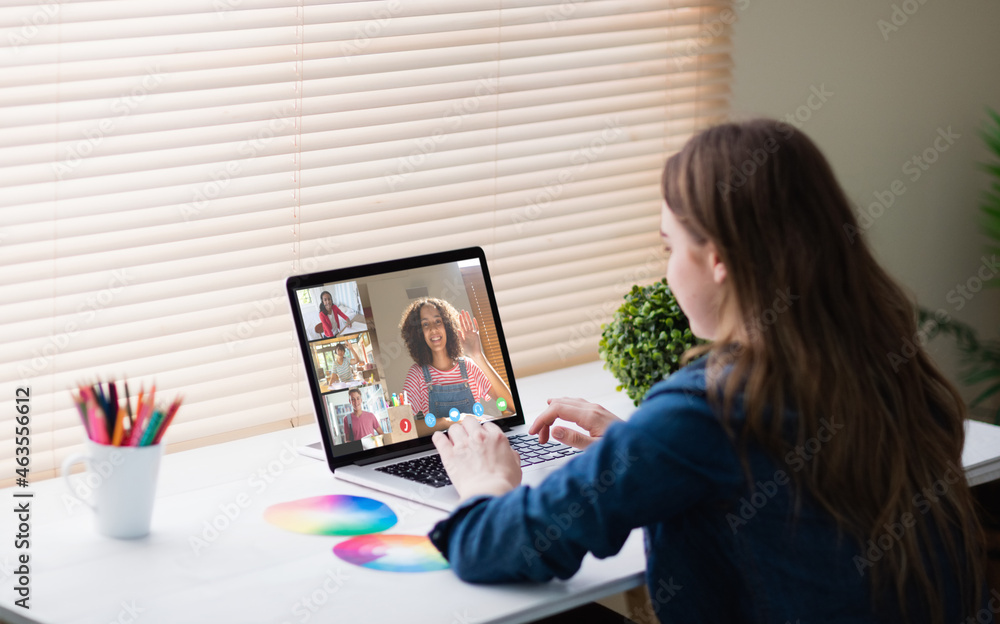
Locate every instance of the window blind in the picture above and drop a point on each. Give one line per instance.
(164, 166)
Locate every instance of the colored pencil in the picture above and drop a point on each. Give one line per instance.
(167, 419)
(150, 432)
(128, 405)
(116, 437)
(140, 424)
(95, 425)
(112, 409)
(81, 408)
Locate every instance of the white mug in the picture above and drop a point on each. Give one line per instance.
(119, 485)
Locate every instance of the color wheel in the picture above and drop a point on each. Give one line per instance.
(335, 514)
(392, 553)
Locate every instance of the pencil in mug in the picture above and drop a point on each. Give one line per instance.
(128, 406)
(112, 412)
(137, 422)
(145, 420)
(116, 438)
(167, 419)
(96, 426)
(101, 408)
(151, 428)
(87, 412)
(81, 408)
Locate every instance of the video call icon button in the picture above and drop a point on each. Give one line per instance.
(430, 420)
(502, 404)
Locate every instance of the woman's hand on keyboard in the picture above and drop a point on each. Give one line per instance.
(478, 458)
(591, 416)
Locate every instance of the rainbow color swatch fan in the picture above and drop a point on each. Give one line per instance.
(392, 553)
(335, 514)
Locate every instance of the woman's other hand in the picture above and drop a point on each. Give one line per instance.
(591, 416)
(478, 458)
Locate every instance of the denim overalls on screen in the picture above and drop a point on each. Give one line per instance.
(441, 398)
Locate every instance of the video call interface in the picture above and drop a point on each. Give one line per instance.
(401, 355)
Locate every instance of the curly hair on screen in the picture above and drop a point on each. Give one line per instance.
(413, 332)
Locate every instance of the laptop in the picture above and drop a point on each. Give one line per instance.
(383, 350)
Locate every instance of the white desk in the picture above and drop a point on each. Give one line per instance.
(252, 572)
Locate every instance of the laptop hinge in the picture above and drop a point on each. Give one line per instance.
(392, 455)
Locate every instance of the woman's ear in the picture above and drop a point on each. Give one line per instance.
(718, 268)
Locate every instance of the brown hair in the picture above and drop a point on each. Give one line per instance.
(413, 332)
(840, 352)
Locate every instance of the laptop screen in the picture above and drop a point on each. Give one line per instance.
(397, 350)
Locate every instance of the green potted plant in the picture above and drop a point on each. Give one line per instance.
(645, 340)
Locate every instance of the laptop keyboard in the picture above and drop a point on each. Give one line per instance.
(429, 469)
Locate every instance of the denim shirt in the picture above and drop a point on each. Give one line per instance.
(716, 550)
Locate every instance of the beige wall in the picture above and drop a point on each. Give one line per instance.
(891, 93)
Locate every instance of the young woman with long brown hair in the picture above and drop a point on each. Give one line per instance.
(805, 466)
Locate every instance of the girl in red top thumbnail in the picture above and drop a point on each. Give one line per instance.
(328, 308)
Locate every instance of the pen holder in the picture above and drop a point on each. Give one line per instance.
(119, 485)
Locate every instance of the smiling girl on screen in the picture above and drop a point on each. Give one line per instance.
(796, 471)
(328, 308)
(437, 336)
